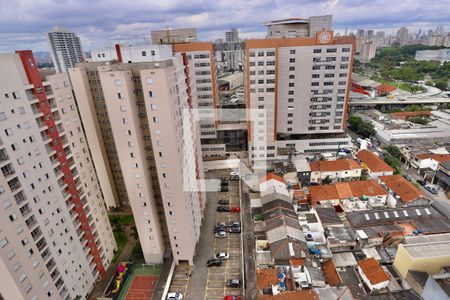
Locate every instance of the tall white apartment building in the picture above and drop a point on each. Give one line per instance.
(202, 56)
(367, 49)
(297, 90)
(55, 237)
(148, 109)
(65, 49)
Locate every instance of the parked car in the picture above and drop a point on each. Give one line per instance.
(431, 189)
(221, 234)
(234, 283)
(224, 201)
(421, 182)
(213, 262)
(174, 296)
(407, 177)
(234, 176)
(224, 189)
(314, 183)
(223, 208)
(223, 255)
(231, 297)
(235, 209)
(221, 224)
(219, 228)
(234, 229)
(234, 223)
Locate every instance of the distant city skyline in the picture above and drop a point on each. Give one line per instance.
(102, 23)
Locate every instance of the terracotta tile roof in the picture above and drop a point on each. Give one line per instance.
(409, 114)
(373, 271)
(331, 275)
(344, 190)
(334, 165)
(295, 262)
(402, 187)
(385, 88)
(373, 162)
(303, 294)
(271, 176)
(266, 278)
(437, 157)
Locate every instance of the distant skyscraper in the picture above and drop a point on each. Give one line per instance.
(360, 33)
(55, 237)
(369, 33)
(403, 36)
(65, 49)
(232, 36)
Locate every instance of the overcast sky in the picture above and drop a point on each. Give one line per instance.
(101, 23)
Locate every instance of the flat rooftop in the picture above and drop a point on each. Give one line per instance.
(436, 249)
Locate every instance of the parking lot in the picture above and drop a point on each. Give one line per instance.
(200, 281)
(231, 268)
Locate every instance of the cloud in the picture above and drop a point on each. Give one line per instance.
(103, 22)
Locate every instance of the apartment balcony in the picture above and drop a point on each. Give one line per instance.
(70, 205)
(3, 156)
(50, 150)
(55, 274)
(36, 233)
(7, 170)
(41, 244)
(20, 198)
(14, 184)
(62, 183)
(58, 172)
(41, 124)
(45, 137)
(31, 222)
(25, 210)
(50, 264)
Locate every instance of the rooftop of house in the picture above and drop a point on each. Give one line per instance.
(373, 271)
(402, 187)
(271, 176)
(334, 165)
(393, 215)
(345, 190)
(331, 275)
(437, 157)
(328, 216)
(373, 162)
(302, 294)
(266, 278)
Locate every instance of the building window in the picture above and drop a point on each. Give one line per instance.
(119, 96)
(292, 51)
(144, 53)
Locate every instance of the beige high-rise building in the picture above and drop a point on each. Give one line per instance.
(300, 87)
(55, 237)
(202, 56)
(173, 36)
(146, 108)
(367, 49)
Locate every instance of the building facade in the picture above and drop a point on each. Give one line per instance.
(149, 107)
(297, 92)
(65, 49)
(173, 36)
(55, 237)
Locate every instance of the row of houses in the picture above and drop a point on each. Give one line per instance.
(339, 241)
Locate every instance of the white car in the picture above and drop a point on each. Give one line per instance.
(223, 255)
(174, 296)
(221, 234)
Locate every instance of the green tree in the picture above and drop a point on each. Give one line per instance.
(394, 162)
(393, 150)
(419, 120)
(326, 180)
(366, 130)
(442, 85)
